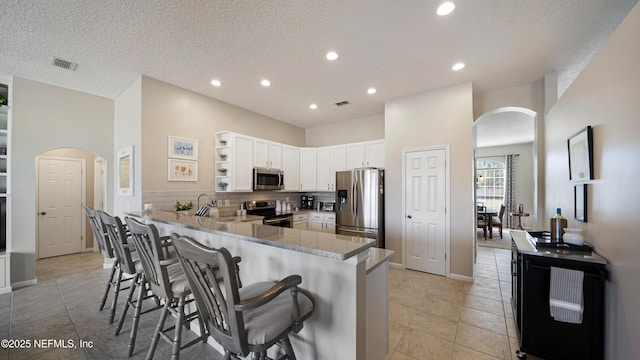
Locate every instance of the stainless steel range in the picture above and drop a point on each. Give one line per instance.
(267, 208)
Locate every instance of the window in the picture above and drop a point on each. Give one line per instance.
(490, 182)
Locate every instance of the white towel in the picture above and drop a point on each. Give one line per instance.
(566, 301)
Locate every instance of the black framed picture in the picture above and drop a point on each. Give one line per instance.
(580, 202)
(580, 147)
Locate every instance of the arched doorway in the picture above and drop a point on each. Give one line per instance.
(507, 136)
(66, 180)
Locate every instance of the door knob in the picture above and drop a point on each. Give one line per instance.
(408, 216)
(43, 213)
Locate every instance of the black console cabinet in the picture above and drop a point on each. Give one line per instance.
(539, 333)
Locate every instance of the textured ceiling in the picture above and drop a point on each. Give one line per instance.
(400, 47)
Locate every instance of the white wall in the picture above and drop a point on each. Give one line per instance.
(440, 117)
(170, 110)
(356, 130)
(524, 174)
(605, 96)
(47, 117)
(128, 131)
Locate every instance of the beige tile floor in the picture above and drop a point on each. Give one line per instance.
(433, 317)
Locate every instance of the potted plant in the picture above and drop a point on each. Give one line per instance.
(223, 171)
(183, 207)
(3, 100)
(223, 185)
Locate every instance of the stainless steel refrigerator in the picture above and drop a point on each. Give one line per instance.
(360, 204)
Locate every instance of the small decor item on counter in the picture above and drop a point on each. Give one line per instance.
(558, 224)
(147, 208)
(183, 206)
(573, 236)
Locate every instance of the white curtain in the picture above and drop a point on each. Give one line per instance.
(510, 191)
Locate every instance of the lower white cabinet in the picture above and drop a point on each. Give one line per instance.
(5, 278)
(322, 222)
(300, 221)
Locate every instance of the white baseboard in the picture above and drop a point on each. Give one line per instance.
(396, 265)
(461, 277)
(25, 283)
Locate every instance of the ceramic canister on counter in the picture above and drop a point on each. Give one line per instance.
(558, 224)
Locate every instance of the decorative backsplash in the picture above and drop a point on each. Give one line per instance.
(230, 202)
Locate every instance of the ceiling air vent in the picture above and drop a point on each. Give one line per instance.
(342, 103)
(65, 64)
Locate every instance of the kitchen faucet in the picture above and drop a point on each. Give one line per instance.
(210, 204)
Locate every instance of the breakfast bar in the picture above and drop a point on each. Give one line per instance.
(350, 287)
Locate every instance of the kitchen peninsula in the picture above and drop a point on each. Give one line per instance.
(349, 286)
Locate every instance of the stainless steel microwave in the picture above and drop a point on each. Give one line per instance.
(268, 179)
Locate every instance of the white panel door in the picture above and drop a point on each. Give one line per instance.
(59, 207)
(425, 220)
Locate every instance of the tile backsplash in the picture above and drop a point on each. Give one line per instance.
(165, 200)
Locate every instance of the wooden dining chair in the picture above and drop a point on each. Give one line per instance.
(247, 320)
(497, 220)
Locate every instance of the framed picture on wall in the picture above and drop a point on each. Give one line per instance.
(181, 148)
(580, 147)
(182, 170)
(580, 202)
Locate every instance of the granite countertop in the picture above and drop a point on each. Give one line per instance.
(376, 257)
(526, 245)
(339, 247)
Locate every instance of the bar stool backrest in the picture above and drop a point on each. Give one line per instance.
(99, 233)
(118, 235)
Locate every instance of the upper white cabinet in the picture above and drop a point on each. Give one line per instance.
(291, 167)
(330, 160)
(365, 154)
(5, 189)
(267, 154)
(234, 162)
(308, 170)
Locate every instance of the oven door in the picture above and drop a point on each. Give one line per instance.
(267, 179)
(280, 221)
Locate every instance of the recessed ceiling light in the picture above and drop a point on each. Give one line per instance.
(445, 8)
(313, 106)
(371, 91)
(458, 66)
(265, 83)
(332, 55)
(216, 83)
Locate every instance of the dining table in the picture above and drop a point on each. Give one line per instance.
(488, 218)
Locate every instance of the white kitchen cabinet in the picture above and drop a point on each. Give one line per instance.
(365, 154)
(322, 222)
(234, 162)
(330, 159)
(267, 154)
(291, 167)
(300, 221)
(5, 189)
(375, 153)
(308, 170)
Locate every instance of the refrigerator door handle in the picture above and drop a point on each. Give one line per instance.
(369, 232)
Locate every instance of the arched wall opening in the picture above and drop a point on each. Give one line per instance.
(506, 131)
